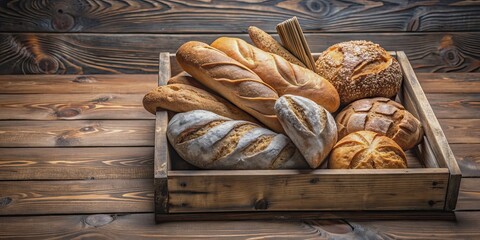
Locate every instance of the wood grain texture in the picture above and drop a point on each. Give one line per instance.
(72, 106)
(76, 163)
(76, 133)
(468, 158)
(449, 82)
(113, 53)
(236, 16)
(469, 197)
(61, 84)
(455, 105)
(461, 130)
(82, 196)
(142, 226)
(322, 190)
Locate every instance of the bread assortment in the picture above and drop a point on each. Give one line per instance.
(310, 126)
(283, 76)
(211, 141)
(380, 115)
(236, 106)
(367, 149)
(360, 69)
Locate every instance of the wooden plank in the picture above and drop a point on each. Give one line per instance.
(436, 137)
(468, 158)
(106, 83)
(76, 163)
(76, 133)
(235, 16)
(321, 190)
(458, 105)
(138, 53)
(81, 196)
(450, 82)
(461, 130)
(469, 197)
(72, 106)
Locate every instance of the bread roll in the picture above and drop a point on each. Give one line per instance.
(360, 69)
(310, 126)
(283, 76)
(210, 141)
(231, 80)
(184, 98)
(267, 43)
(381, 115)
(366, 149)
(185, 78)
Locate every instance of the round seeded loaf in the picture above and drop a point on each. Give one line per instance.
(360, 69)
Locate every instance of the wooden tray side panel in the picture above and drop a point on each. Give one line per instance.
(161, 156)
(415, 189)
(433, 130)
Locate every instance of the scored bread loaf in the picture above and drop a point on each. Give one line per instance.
(367, 149)
(283, 76)
(184, 98)
(231, 80)
(310, 126)
(381, 115)
(360, 69)
(209, 141)
(267, 43)
(185, 78)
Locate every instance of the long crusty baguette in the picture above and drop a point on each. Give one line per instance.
(183, 98)
(283, 76)
(210, 141)
(230, 79)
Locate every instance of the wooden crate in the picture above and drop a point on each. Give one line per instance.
(429, 188)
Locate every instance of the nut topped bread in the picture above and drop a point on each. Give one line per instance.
(381, 115)
(360, 69)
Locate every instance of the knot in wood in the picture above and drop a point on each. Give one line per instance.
(99, 220)
(67, 113)
(62, 21)
(84, 79)
(261, 204)
(5, 201)
(47, 65)
(317, 6)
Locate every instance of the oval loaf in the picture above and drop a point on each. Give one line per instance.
(210, 141)
(310, 126)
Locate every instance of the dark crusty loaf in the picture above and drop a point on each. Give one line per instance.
(360, 69)
(310, 126)
(383, 116)
(366, 149)
(283, 76)
(210, 141)
(184, 98)
(267, 43)
(230, 79)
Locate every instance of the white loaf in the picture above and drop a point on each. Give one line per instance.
(210, 141)
(310, 126)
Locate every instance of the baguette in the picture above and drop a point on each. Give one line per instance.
(230, 79)
(184, 98)
(210, 141)
(283, 76)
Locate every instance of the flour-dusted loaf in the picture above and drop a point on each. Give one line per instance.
(383, 116)
(310, 126)
(360, 69)
(184, 98)
(267, 43)
(185, 78)
(367, 149)
(210, 141)
(230, 79)
(283, 76)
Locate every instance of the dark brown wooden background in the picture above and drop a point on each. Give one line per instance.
(111, 36)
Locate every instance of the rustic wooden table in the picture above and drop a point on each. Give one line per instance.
(77, 152)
